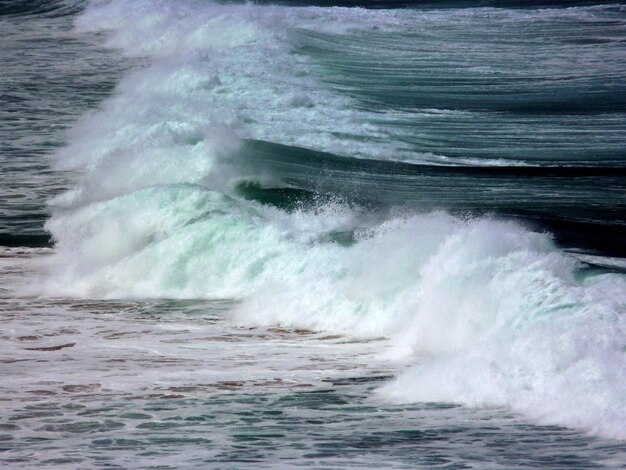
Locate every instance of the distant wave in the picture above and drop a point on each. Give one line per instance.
(562, 199)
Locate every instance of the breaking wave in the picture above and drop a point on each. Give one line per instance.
(173, 199)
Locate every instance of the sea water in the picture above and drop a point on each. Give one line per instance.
(312, 234)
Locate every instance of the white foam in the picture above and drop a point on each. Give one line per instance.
(498, 310)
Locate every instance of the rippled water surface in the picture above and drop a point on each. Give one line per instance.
(174, 384)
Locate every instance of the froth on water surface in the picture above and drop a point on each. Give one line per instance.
(129, 384)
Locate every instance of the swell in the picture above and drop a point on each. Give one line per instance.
(533, 85)
(562, 199)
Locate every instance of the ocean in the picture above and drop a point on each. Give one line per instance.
(312, 234)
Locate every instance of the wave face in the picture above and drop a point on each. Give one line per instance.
(266, 154)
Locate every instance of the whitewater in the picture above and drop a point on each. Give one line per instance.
(330, 216)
